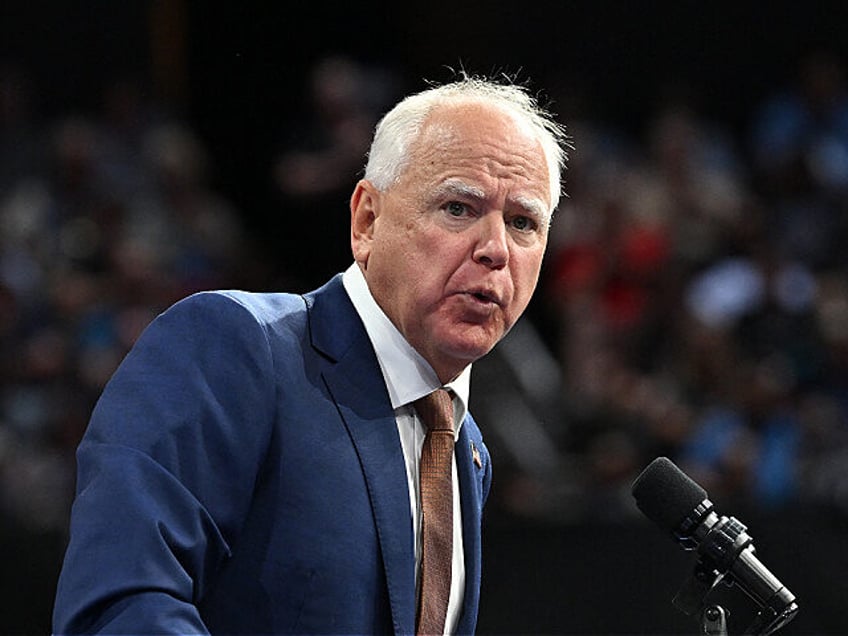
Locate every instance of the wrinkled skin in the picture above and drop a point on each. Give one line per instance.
(452, 251)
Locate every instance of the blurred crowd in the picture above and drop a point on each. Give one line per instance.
(106, 218)
(698, 281)
(694, 301)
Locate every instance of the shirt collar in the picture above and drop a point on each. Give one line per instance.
(407, 374)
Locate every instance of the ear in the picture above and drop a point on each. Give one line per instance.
(364, 205)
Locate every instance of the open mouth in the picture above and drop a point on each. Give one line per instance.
(484, 297)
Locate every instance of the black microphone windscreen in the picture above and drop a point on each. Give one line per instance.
(665, 494)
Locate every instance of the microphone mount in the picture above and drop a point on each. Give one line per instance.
(721, 542)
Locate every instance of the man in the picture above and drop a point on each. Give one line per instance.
(252, 467)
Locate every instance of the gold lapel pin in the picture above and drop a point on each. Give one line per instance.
(475, 455)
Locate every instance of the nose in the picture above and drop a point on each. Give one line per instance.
(492, 249)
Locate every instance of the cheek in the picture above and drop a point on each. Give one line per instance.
(525, 278)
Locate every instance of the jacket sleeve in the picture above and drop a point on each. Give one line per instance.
(166, 471)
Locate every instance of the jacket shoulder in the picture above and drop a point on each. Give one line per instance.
(264, 307)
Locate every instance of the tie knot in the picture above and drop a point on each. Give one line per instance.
(436, 410)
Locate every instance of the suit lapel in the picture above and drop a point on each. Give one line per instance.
(471, 493)
(356, 385)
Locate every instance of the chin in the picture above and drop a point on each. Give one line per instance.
(462, 344)
(468, 352)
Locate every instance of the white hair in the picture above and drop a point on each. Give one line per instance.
(400, 127)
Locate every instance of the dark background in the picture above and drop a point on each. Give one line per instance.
(237, 72)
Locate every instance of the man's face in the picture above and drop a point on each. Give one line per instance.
(452, 252)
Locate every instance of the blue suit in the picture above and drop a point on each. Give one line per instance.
(242, 474)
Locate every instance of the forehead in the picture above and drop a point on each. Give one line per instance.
(480, 141)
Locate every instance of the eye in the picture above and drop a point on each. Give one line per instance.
(456, 208)
(523, 223)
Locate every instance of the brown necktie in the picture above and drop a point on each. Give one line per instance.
(436, 412)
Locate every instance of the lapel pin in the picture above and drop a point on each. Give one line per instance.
(475, 455)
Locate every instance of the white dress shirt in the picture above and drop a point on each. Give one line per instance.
(409, 377)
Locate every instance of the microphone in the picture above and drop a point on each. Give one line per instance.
(672, 500)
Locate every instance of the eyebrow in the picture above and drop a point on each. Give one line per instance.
(460, 188)
(534, 207)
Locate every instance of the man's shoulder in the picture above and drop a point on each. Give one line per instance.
(265, 306)
(233, 315)
(277, 314)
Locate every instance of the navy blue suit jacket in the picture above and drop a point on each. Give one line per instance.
(242, 474)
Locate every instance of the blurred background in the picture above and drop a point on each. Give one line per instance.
(693, 304)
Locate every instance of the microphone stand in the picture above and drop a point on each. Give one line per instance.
(691, 599)
(714, 621)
